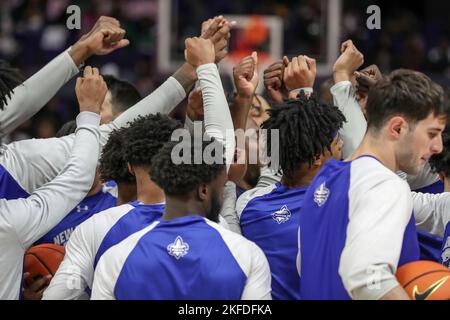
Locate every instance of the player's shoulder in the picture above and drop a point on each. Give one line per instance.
(251, 195)
(110, 213)
(371, 169)
(233, 240)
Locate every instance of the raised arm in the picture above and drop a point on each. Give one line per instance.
(355, 128)
(32, 217)
(28, 98)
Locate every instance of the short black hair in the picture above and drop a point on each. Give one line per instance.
(124, 95)
(10, 78)
(113, 165)
(67, 129)
(146, 135)
(180, 179)
(404, 93)
(306, 127)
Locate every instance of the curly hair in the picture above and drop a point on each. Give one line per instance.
(306, 127)
(146, 135)
(10, 78)
(180, 179)
(113, 165)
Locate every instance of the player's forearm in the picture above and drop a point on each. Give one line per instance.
(35, 92)
(239, 112)
(218, 122)
(355, 127)
(163, 100)
(398, 293)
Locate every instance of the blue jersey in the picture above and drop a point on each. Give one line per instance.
(89, 206)
(445, 255)
(136, 219)
(188, 258)
(9, 187)
(270, 216)
(356, 216)
(430, 246)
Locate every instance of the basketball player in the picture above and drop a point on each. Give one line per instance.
(269, 216)
(357, 225)
(25, 220)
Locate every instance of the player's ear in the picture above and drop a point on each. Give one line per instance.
(130, 168)
(202, 192)
(397, 126)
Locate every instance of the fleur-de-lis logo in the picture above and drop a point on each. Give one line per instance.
(282, 215)
(178, 248)
(321, 195)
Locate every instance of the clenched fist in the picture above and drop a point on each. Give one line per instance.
(91, 90)
(199, 51)
(300, 73)
(245, 75)
(349, 61)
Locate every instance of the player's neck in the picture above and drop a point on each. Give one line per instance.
(378, 148)
(299, 178)
(147, 191)
(126, 193)
(96, 188)
(182, 207)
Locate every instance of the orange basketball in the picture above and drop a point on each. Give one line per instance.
(43, 259)
(425, 280)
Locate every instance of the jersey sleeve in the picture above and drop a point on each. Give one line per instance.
(259, 280)
(432, 212)
(218, 121)
(355, 127)
(377, 221)
(29, 97)
(76, 271)
(34, 216)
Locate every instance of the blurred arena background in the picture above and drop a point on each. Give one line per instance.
(414, 35)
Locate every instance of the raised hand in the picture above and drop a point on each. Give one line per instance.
(105, 37)
(300, 73)
(245, 75)
(349, 61)
(367, 78)
(199, 51)
(218, 31)
(274, 80)
(91, 90)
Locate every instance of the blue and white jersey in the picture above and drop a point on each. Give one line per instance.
(10, 189)
(187, 258)
(432, 214)
(269, 217)
(91, 239)
(445, 255)
(356, 228)
(430, 246)
(89, 206)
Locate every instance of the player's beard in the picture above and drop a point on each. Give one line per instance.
(408, 160)
(214, 211)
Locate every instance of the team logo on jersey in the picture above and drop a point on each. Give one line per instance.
(79, 208)
(321, 195)
(282, 215)
(446, 254)
(178, 249)
(431, 289)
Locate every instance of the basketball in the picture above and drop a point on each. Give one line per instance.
(43, 260)
(425, 280)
